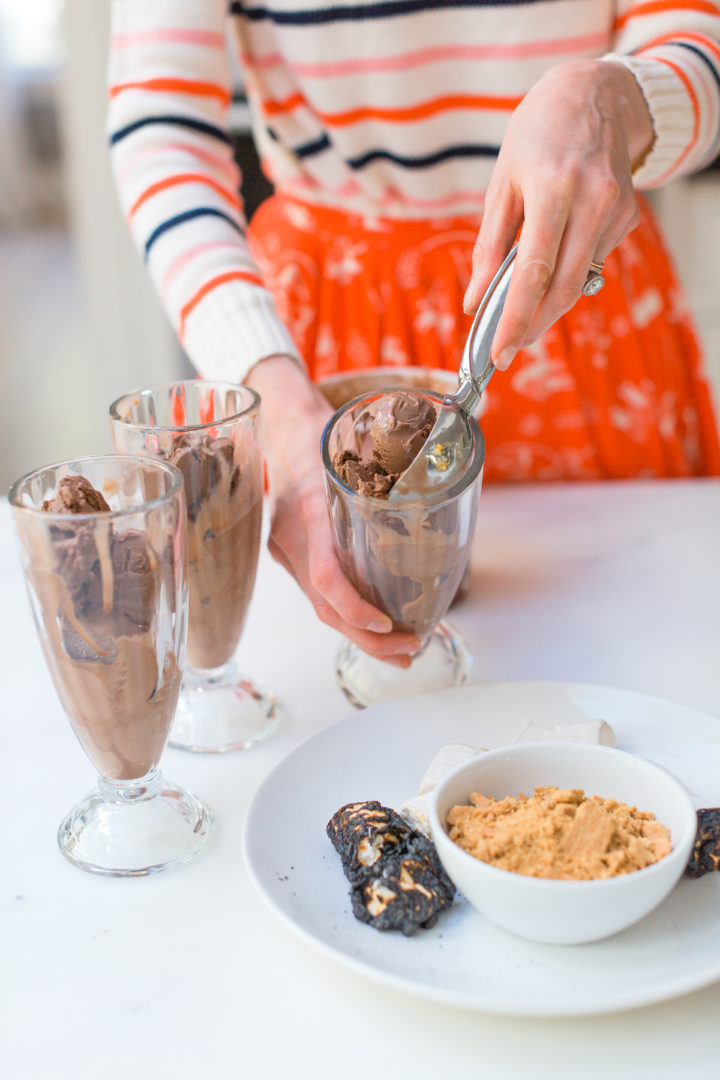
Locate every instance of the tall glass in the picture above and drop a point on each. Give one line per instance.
(106, 579)
(211, 432)
(406, 557)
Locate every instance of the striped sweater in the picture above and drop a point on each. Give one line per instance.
(394, 108)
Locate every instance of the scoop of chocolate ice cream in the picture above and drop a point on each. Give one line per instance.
(224, 514)
(125, 562)
(365, 477)
(76, 495)
(74, 545)
(201, 460)
(134, 575)
(400, 427)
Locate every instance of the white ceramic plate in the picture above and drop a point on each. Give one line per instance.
(465, 960)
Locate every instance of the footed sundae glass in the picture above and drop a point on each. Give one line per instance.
(407, 557)
(103, 548)
(211, 432)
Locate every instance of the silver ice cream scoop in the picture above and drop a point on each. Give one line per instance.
(448, 444)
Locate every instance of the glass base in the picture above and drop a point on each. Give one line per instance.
(220, 710)
(444, 661)
(134, 828)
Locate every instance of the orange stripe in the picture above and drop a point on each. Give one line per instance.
(185, 178)
(206, 409)
(271, 108)
(408, 113)
(696, 114)
(678, 38)
(423, 110)
(654, 7)
(221, 279)
(182, 86)
(177, 409)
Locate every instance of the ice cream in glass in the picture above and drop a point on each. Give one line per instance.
(103, 547)
(211, 432)
(405, 556)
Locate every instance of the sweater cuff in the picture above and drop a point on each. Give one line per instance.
(671, 112)
(226, 334)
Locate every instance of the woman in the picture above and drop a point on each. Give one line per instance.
(408, 141)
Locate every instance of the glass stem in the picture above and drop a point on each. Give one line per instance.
(209, 678)
(130, 791)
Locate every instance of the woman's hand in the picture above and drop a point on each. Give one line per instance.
(294, 415)
(564, 173)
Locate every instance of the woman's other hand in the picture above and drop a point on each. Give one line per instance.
(294, 415)
(564, 173)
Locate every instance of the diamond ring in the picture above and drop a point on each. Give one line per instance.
(594, 280)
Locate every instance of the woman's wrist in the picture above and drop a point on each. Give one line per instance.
(617, 97)
(294, 414)
(634, 113)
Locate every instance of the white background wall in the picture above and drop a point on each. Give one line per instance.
(80, 323)
(133, 338)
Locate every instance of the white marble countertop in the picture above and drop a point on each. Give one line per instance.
(187, 974)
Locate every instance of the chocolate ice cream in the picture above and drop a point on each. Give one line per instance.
(224, 509)
(398, 431)
(365, 477)
(407, 563)
(400, 428)
(76, 495)
(97, 587)
(405, 558)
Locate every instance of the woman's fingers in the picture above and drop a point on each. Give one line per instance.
(308, 554)
(594, 228)
(501, 220)
(534, 270)
(342, 607)
(565, 293)
(562, 235)
(393, 646)
(301, 532)
(328, 583)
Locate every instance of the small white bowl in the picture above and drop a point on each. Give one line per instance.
(565, 912)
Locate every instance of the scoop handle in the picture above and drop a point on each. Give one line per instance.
(476, 367)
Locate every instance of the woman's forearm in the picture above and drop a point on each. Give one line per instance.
(170, 88)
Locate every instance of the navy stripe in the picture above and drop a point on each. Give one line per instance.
(189, 215)
(424, 162)
(178, 121)
(305, 149)
(308, 149)
(701, 54)
(358, 12)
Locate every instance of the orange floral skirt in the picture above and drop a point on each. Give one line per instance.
(614, 390)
